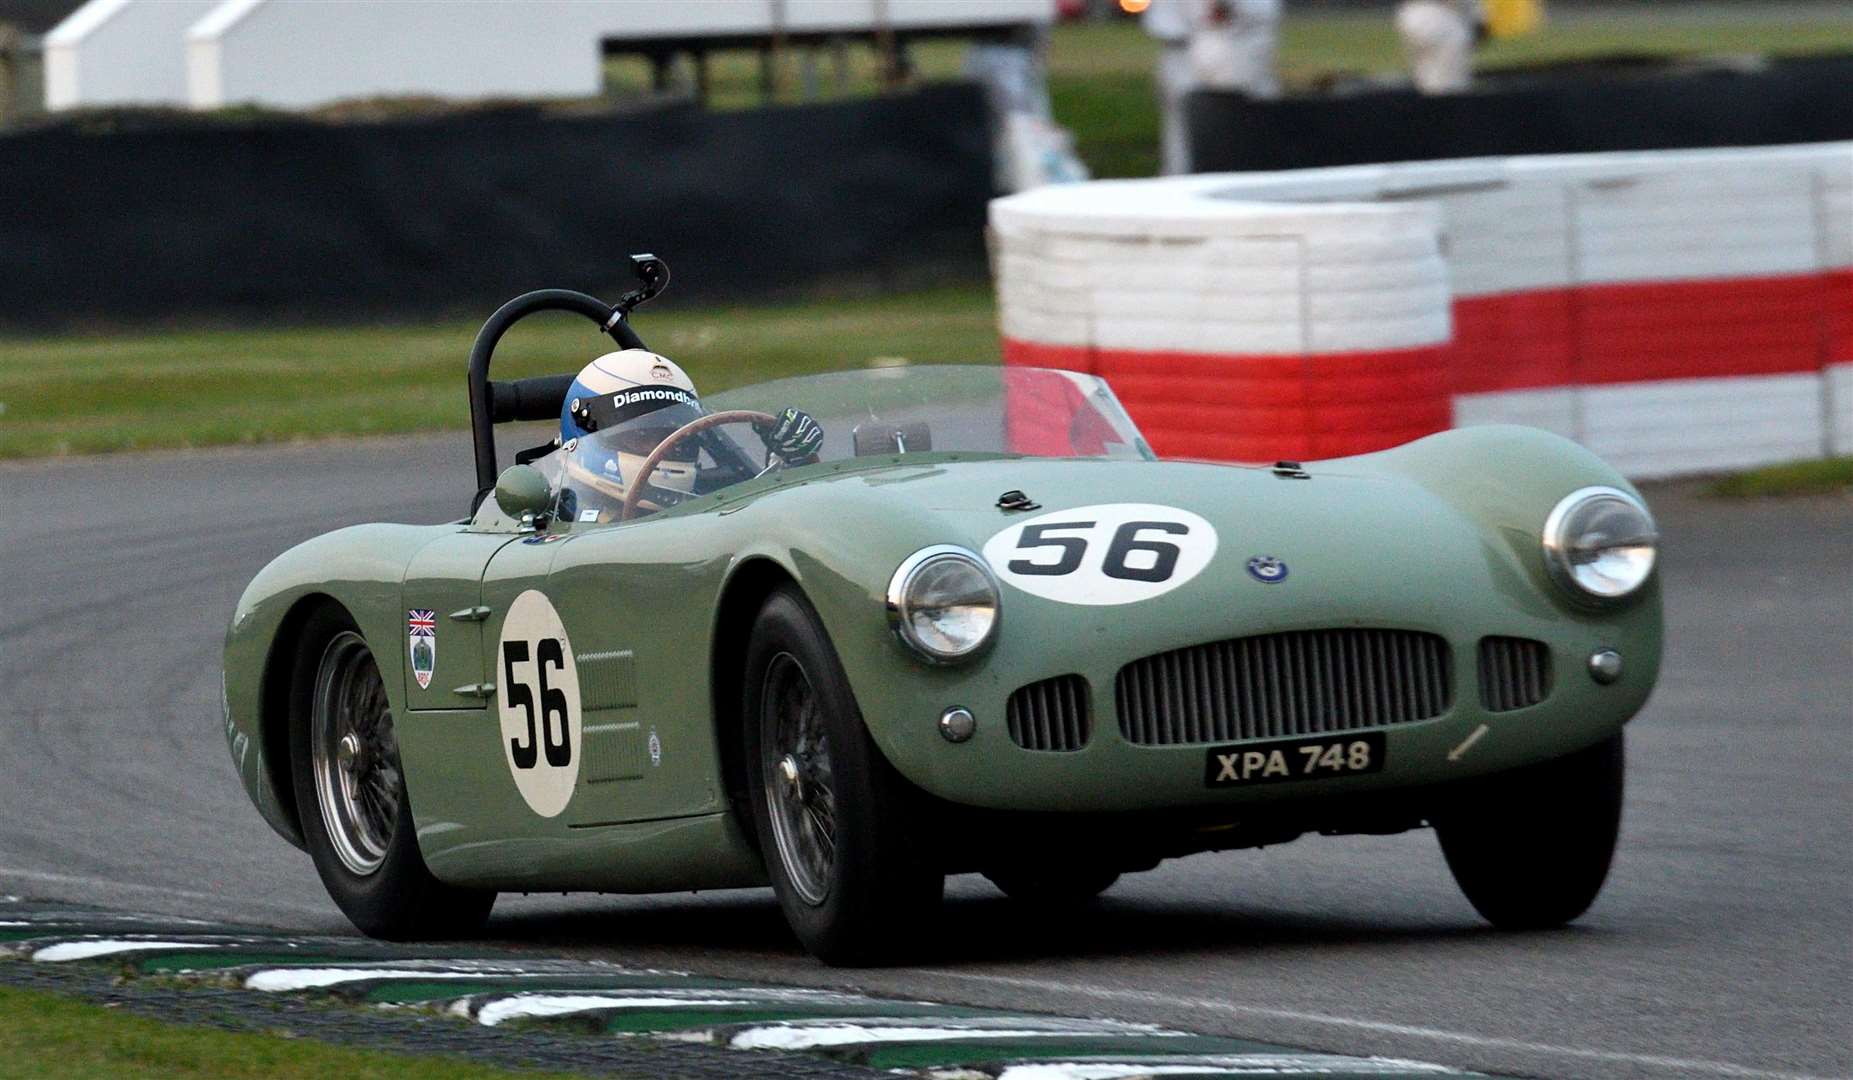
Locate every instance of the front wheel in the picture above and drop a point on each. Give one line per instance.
(1530, 848)
(834, 819)
(350, 794)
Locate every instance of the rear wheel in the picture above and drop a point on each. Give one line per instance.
(1053, 886)
(833, 817)
(350, 794)
(1530, 848)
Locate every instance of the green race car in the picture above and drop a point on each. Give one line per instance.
(981, 628)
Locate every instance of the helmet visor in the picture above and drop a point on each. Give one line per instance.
(642, 432)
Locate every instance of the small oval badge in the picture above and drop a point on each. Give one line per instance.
(1267, 569)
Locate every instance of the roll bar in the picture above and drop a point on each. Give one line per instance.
(541, 398)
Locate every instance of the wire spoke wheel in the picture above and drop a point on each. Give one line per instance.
(354, 755)
(799, 783)
(833, 818)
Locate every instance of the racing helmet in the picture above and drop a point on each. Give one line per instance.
(620, 407)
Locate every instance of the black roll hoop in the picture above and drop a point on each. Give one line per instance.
(541, 398)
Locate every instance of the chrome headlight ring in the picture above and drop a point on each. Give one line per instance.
(944, 603)
(1600, 544)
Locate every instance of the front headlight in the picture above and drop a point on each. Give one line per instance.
(943, 602)
(1600, 542)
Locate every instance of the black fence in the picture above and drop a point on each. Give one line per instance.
(1580, 109)
(460, 212)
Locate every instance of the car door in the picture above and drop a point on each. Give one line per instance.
(442, 597)
(571, 627)
(492, 756)
(537, 699)
(449, 734)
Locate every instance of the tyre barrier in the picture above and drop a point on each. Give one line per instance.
(1676, 311)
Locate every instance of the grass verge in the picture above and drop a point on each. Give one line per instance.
(48, 1037)
(1796, 478)
(204, 387)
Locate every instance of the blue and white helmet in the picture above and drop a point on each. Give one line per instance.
(611, 384)
(621, 406)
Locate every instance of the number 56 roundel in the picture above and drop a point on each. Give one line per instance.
(1113, 553)
(538, 698)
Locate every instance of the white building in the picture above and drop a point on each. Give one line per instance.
(299, 53)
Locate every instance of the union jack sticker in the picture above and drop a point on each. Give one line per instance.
(422, 639)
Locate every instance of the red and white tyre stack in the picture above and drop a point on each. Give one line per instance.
(1232, 330)
(1678, 312)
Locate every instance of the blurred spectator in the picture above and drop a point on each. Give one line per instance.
(1029, 147)
(1439, 37)
(1209, 45)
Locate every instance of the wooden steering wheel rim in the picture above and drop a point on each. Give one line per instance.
(693, 427)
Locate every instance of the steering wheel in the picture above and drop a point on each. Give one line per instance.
(693, 427)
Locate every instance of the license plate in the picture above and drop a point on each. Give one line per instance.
(1294, 759)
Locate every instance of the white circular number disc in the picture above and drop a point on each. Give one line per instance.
(542, 746)
(1113, 553)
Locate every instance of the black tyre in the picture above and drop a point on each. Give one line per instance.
(1052, 886)
(350, 794)
(834, 819)
(1530, 848)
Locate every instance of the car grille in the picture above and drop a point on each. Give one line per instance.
(1301, 683)
(1050, 715)
(1514, 673)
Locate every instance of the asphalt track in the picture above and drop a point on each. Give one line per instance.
(1722, 947)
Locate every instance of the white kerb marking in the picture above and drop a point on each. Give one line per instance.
(804, 1034)
(1467, 744)
(788, 1037)
(511, 1008)
(1236, 1065)
(272, 980)
(84, 950)
(1458, 1038)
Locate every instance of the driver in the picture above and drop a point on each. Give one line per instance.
(621, 407)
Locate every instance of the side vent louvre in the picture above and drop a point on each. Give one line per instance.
(1053, 714)
(1515, 673)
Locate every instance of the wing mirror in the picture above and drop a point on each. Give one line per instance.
(652, 278)
(522, 493)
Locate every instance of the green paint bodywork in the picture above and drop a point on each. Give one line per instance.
(1440, 535)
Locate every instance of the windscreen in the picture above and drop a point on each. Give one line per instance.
(986, 409)
(878, 412)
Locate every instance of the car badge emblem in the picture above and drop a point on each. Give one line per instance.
(1267, 569)
(422, 639)
(656, 750)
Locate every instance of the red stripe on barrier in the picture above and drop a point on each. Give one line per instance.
(1837, 287)
(1262, 408)
(1265, 408)
(1513, 341)
(1651, 331)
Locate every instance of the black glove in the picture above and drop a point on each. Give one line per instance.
(793, 438)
